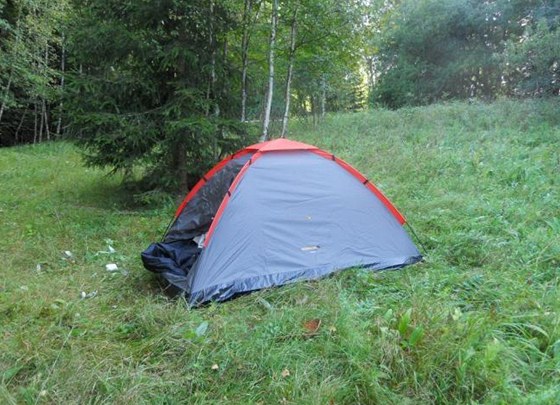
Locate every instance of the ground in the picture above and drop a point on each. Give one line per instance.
(477, 322)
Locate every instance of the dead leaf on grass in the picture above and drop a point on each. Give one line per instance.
(312, 327)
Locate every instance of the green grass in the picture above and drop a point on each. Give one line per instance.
(477, 322)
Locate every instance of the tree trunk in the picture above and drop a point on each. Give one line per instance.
(323, 96)
(178, 163)
(370, 62)
(302, 104)
(19, 126)
(245, 57)
(9, 84)
(46, 116)
(5, 98)
(178, 152)
(268, 104)
(293, 32)
(61, 105)
(35, 125)
(213, 75)
(41, 123)
(314, 110)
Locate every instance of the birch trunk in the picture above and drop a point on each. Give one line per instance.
(293, 33)
(268, 105)
(245, 57)
(10, 78)
(19, 126)
(44, 117)
(35, 125)
(61, 105)
(323, 96)
(5, 98)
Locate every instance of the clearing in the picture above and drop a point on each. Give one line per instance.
(478, 321)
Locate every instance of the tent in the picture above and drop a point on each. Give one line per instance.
(274, 213)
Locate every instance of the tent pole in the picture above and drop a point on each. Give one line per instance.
(417, 238)
(167, 228)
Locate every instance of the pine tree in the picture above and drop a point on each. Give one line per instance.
(151, 87)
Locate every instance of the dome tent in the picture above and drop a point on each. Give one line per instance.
(274, 213)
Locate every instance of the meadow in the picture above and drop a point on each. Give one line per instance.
(477, 322)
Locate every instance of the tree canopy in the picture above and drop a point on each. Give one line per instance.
(432, 50)
(168, 87)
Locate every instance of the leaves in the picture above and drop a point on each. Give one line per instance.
(142, 95)
(31, 33)
(416, 335)
(404, 322)
(410, 336)
(312, 326)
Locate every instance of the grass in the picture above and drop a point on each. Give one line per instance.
(477, 322)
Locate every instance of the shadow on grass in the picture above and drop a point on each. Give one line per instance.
(110, 193)
(147, 283)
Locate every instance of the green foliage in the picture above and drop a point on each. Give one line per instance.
(31, 37)
(477, 322)
(327, 55)
(432, 50)
(157, 86)
(533, 63)
(153, 89)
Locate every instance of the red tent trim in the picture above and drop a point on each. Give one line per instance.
(207, 177)
(349, 168)
(228, 195)
(277, 145)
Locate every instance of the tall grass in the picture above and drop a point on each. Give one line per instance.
(477, 322)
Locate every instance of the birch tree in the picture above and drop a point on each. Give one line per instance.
(247, 11)
(270, 88)
(291, 57)
(30, 38)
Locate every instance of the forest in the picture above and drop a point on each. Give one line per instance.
(172, 85)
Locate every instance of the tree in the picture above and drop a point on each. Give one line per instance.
(532, 62)
(434, 50)
(153, 88)
(30, 41)
(327, 56)
(291, 55)
(270, 87)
